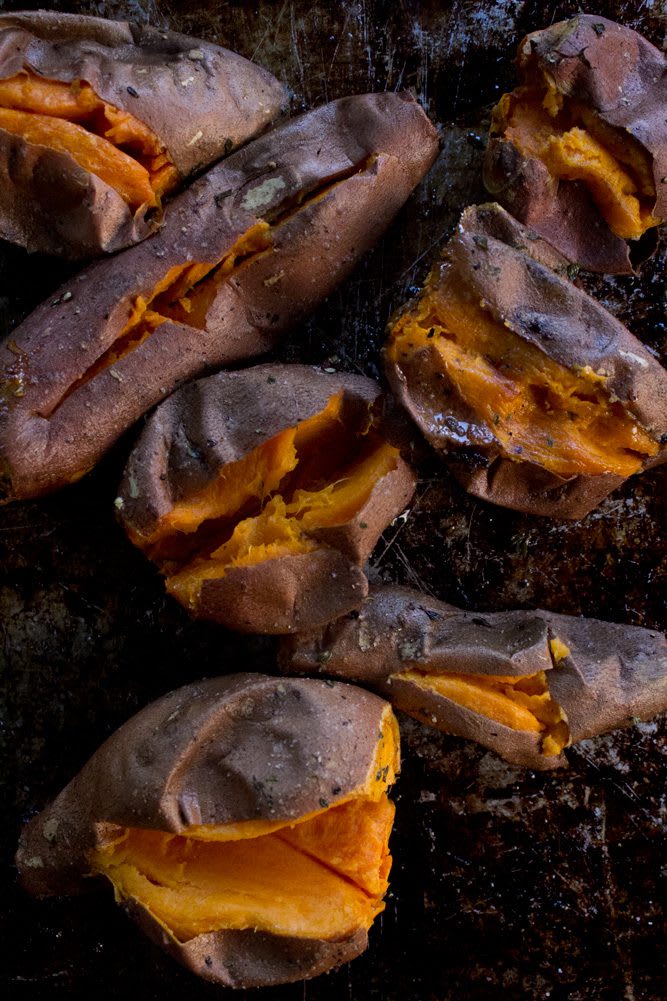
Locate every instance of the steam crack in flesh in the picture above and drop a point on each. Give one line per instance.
(186, 292)
(184, 295)
(106, 141)
(575, 144)
(520, 702)
(535, 409)
(322, 876)
(272, 502)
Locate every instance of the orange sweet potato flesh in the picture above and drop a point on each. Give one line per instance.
(576, 145)
(535, 408)
(112, 144)
(521, 702)
(271, 502)
(183, 294)
(287, 527)
(321, 877)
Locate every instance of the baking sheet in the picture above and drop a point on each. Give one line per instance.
(506, 883)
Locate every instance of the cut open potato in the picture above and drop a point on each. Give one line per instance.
(542, 401)
(243, 821)
(578, 151)
(249, 249)
(525, 684)
(96, 125)
(271, 532)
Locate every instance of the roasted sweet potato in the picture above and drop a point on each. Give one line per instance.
(242, 821)
(524, 684)
(579, 150)
(249, 249)
(542, 400)
(99, 120)
(261, 493)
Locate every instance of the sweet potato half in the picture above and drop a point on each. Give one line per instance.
(579, 150)
(524, 684)
(243, 822)
(543, 401)
(249, 249)
(261, 493)
(100, 120)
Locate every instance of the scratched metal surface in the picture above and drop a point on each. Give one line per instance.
(506, 883)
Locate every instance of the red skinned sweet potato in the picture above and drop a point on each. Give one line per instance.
(249, 249)
(525, 684)
(579, 151)
(261, 493)
(542, 401)
(99, 120)
(242, 821)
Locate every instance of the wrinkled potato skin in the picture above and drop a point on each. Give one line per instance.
(386, 135)
(516, 282)
(48, 203)
(219, 420)
(197, 756)
(620, 75)
(612, 675)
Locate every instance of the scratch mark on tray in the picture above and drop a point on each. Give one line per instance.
(341, 33)
(412, 573)
(610, 893)
(294, 44)
(271, 23)
(393, 543)
(438, 240)
(399, 81)
(326, 78)
(626, 792)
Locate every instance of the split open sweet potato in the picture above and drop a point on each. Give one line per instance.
(100, 120)
(261, 493)
(525, 684)
(242, 821)
(542, 400)
(248, 250)
(579, 150)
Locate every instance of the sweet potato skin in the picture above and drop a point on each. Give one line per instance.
(284, 595)
(620, 75)
(49, 203)
(47, 441)
(206, 754)
(518, 288)
(248, 958)
(612, 675)
(219, 420)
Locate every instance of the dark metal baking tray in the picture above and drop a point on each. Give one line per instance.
(506, 883)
